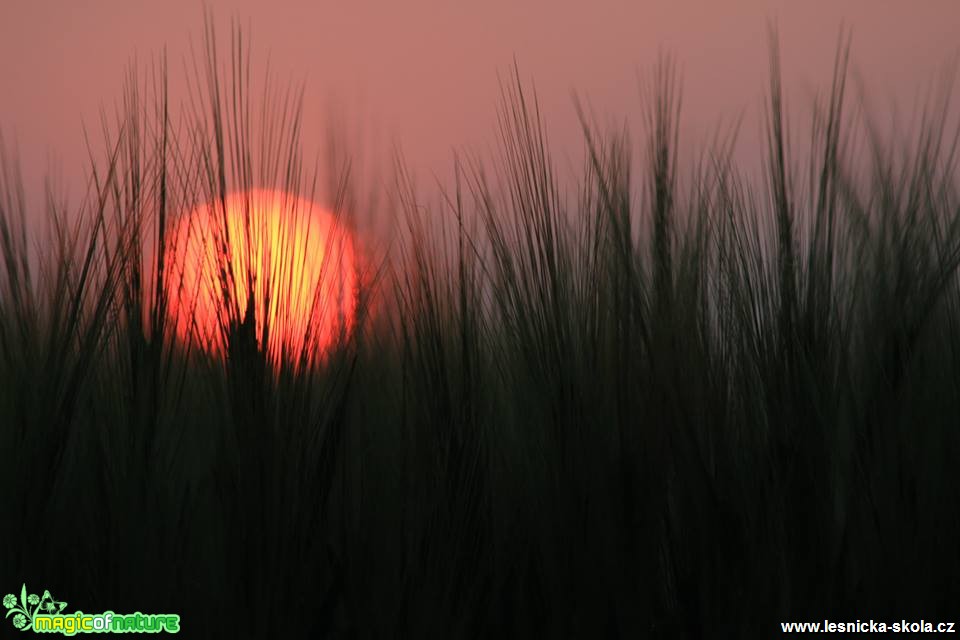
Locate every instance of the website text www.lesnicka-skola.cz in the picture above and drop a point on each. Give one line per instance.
(869, 626)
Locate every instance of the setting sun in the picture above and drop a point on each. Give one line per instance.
(295, 257)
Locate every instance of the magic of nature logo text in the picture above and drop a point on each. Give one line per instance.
(44, 614)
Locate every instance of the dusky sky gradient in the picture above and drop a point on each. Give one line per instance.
(424, 75)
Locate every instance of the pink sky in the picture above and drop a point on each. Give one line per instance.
(424, 74)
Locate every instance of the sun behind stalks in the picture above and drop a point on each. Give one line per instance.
(295, 258)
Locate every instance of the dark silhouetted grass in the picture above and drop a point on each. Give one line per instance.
(649, 406)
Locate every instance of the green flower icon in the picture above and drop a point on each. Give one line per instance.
(19, 608)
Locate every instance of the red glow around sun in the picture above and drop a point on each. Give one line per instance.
(294, 257)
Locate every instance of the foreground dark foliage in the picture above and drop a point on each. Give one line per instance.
(672, 412)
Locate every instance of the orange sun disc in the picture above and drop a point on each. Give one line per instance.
(294, 258)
